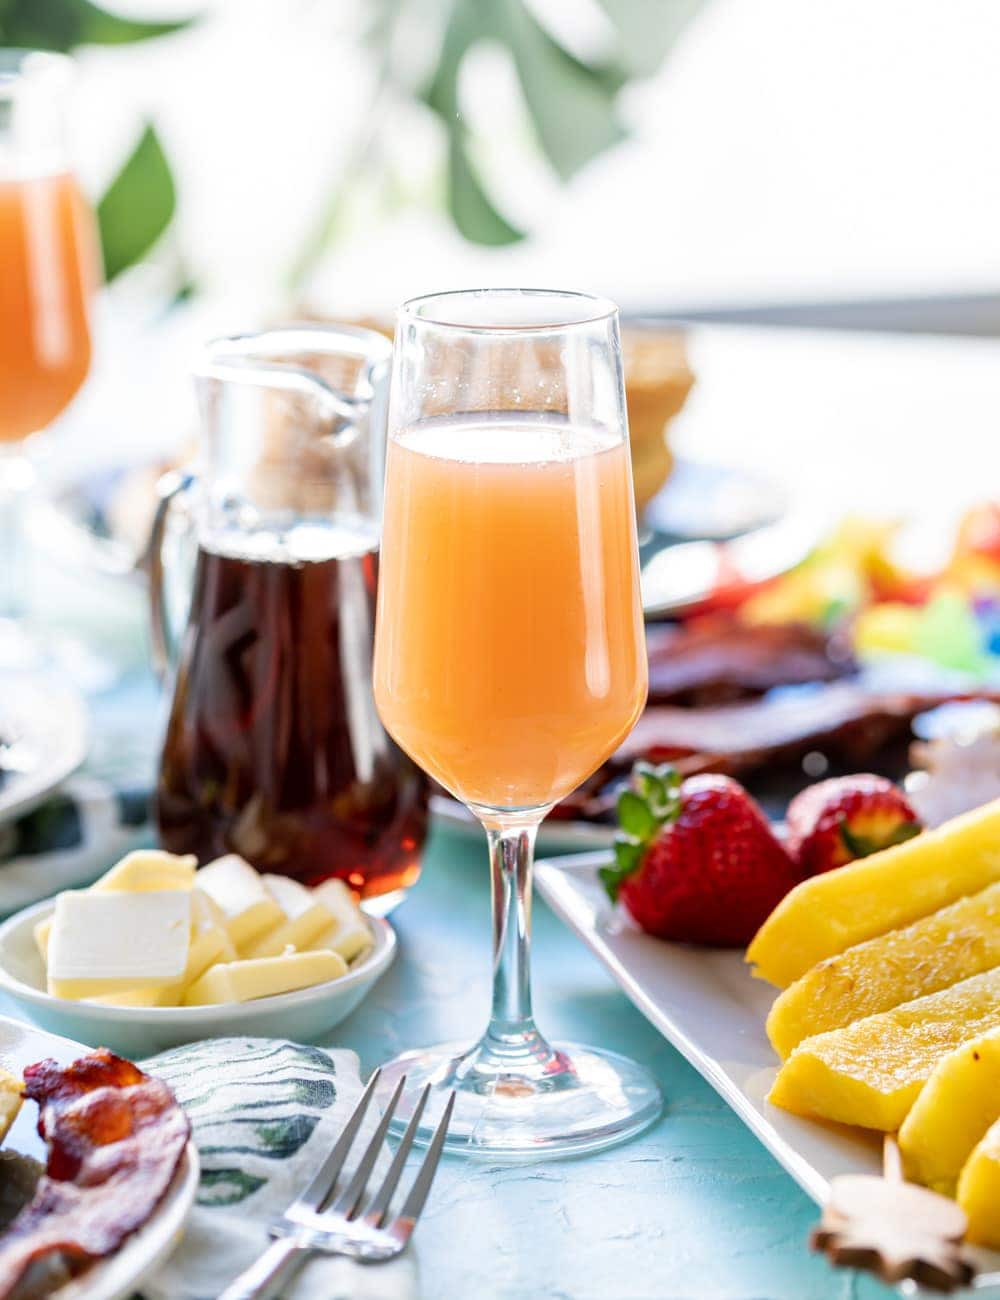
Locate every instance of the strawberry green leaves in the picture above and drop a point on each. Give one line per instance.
(863, 846)
(652, 802)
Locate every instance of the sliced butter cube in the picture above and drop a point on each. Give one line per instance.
(43, 932)
(143, 870)
(305, 919)
(349, 934)
(209, 944)
(260, 977)
(10, 1101)
(113, 943)
(149, 869)
(150, 996)
(249, 909)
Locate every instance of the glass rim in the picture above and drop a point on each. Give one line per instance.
(597, 309)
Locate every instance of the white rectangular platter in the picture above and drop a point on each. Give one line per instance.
(706, 1004)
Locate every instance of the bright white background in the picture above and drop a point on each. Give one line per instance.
(787, 149)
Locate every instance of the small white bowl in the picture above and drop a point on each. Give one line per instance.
(303, 1016)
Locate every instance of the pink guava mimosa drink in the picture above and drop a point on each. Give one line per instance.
(510, 658)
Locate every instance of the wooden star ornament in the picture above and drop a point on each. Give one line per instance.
(894, 1229)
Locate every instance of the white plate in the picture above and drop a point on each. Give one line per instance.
(48, 721)
(706, 1003)
(305, 1015)
(119, 1275)
(554, 836)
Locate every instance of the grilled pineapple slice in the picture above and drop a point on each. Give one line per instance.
(979, 1190)
(10, 1101)
(870, 1073)
(933, 953)
(959, 1102)
(827, 914)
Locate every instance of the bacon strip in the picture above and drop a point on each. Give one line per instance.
(716, 660)
(116, 1137)
(850, 722)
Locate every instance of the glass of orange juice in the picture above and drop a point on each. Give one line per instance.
(48, 260)
(510, 658)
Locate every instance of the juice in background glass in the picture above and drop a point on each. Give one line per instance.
(509, 648)
(47, 260)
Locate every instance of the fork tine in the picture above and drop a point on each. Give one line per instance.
(348, 1201)
(405, 1221)
(380, 1203)
(325, 1178)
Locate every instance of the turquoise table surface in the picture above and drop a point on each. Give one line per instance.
(694, 1209)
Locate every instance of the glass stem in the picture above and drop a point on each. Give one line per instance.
(511, 1030)
(17, 478)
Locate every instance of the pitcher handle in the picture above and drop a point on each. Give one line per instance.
(170, 488)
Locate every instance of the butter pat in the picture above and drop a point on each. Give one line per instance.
(348, 934)
(143, 870)
(209, 944)
(151, 996)
(43, 932)
(149, 869)
(10, 1101)
(250, 911)
(305, 918)
(261, 977)
(107, 942)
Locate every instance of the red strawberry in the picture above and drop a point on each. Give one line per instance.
(696, 862)
(848, 817)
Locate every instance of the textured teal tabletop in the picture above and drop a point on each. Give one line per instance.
(695, 1209)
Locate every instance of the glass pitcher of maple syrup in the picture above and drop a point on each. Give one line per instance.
(273, 748)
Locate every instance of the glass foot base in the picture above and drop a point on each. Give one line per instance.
(573, 1100)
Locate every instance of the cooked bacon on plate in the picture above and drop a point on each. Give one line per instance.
(115, 1137)
(718, 659)
(848, 721)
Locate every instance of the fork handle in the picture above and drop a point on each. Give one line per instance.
(266, 1277)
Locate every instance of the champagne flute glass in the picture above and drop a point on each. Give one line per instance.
(48, 260)
(509, 653)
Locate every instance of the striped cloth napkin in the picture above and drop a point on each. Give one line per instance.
(264, 1114)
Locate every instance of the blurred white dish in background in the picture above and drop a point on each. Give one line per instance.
(303, 1015)
(43, 738)
(957, 760)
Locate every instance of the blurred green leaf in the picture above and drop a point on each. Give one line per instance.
(647, 29)
(471, 209)
(137, 207)
(572, 104)
(64, 24)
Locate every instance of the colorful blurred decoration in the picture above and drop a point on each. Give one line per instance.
(950, 618)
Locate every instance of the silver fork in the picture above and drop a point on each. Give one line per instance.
(316, 1223)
